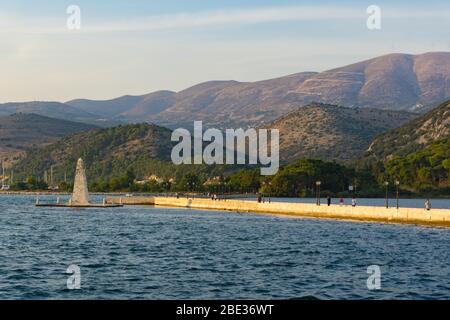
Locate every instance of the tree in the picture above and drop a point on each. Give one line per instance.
(190, 182)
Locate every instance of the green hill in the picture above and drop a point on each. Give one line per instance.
(22, 132)
(412, 136)
(417, 153)
(140, 149)
(106, 152)
(426, 170)
(331, 132)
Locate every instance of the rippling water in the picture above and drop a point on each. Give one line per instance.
(158, 253)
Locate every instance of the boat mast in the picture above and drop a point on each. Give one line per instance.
(3, 175)
(51, 177)
(4, 185)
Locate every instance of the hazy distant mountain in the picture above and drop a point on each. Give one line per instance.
(412, 136)
(231, 103)
(21, 132)
(106, 108)
(128, 108)
(331, 132)
(54, 110)
(150, 104)
(393, 82)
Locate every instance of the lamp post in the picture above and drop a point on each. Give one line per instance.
(192, 187)
(173, 187)
(220, 189)
(264, 189)
(386, 183)
(318, 183)
(226, 190)
(397, 183)
(270, 187)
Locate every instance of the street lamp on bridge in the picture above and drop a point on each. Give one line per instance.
(397, 183)
(318, 183)
(386, 183)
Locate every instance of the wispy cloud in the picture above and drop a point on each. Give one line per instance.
(227, 17)
(215, 18)
(185, 19)
(99, 61)
(255, 16)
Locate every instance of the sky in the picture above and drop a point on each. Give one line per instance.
(137, 47)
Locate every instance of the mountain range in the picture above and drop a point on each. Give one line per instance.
(394, 82)
(367, 107)
(318, 130)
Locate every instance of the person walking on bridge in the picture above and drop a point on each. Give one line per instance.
(427, 205)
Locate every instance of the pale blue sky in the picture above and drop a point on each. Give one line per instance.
(135, 47)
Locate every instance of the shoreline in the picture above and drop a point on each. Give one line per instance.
(376, 214)
(412, 216)
(249, 198)
(230, 196)
(198, 196)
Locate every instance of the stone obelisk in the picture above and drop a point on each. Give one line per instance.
(80, 195)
